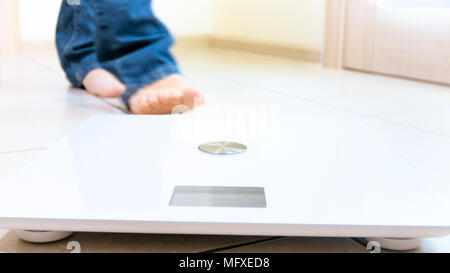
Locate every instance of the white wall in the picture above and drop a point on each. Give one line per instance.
(38, 18)
(292, 22)
(299, 23)
(185, 16)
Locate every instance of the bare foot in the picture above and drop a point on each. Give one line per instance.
(164, 96)
(102, 83)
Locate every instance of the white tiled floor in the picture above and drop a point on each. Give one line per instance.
(37, 107)
(37, 123)
(347, 90)
(433, 120)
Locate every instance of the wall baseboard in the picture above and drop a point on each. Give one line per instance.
(190, 40)
(207, 41)
(279, 50)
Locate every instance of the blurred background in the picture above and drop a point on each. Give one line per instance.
(290, 22)
(367, 35)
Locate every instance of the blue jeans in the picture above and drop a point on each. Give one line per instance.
(121, 36)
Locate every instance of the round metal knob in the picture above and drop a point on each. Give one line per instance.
(222, 147)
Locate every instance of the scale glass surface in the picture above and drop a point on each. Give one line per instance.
(304, 176)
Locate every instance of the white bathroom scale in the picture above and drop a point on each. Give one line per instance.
(283, 175)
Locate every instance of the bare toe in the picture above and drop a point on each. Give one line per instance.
(163, 96)
(154, 103)
(192, 97)
(176, 97)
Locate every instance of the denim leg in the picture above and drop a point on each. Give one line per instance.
(132, 43)
(75, 34)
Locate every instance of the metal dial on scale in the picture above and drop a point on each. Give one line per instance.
(222, 147)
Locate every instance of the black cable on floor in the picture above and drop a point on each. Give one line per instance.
(360, 241)
(242, 244)
(363, 242)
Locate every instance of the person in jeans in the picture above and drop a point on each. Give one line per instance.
(118, 48)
